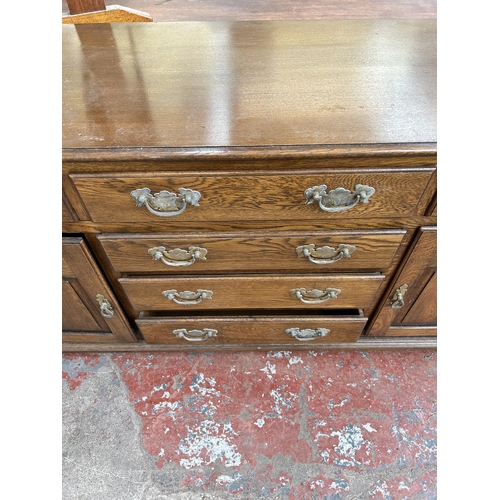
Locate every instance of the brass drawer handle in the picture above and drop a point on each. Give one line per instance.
(104, 306)
(195, 335)
(325, 255)
(187, 298)
(339, 199)
(397, 301)
(165, 203)
(314, 296)
(178, 257)
(307, 334)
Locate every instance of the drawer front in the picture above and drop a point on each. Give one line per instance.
(326, 195)
(251, 330)
(230, 252)
(252, 292)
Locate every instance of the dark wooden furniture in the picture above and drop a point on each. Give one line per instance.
(250, 185)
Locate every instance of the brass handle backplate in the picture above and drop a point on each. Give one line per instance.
(314, 296)
(165, 203)
(397, 301)
(187, 298)
(195, 335)
(326, 254)
(178, 257)
(339, 199)
(104, 306)
(307, 334)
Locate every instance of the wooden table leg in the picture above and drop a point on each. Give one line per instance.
(82, 6)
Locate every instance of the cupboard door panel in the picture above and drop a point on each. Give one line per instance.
(76, 316)
(90, 311)
(416, 281)
(423, 309)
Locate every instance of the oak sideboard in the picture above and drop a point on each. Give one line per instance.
(249, 185)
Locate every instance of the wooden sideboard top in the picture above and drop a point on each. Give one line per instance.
(249, 83)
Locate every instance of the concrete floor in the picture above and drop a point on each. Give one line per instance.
(288, 425)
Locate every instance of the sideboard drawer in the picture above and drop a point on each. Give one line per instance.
(316, 251)
(252, 292)
(247, 330)
(263, 196)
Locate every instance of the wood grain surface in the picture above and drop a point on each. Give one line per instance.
(253, 251)
(251, 158)
(418, 271)
(80, 6)
(251, 114)
(82, 281)
(308, 225)
(363, 343)
(410, 331)
(252, 292)
(199, 84)
(111, 14)
(213, 10)
(232, 196)
(254, 330)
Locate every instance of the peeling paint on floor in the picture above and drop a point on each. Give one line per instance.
(297, 425)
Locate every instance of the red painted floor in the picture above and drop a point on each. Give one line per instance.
(298, 425)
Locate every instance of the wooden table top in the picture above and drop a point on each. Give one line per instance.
(249, 83)
(259, 10)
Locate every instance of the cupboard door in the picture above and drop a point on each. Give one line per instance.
(411, 306)
(90, 311)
